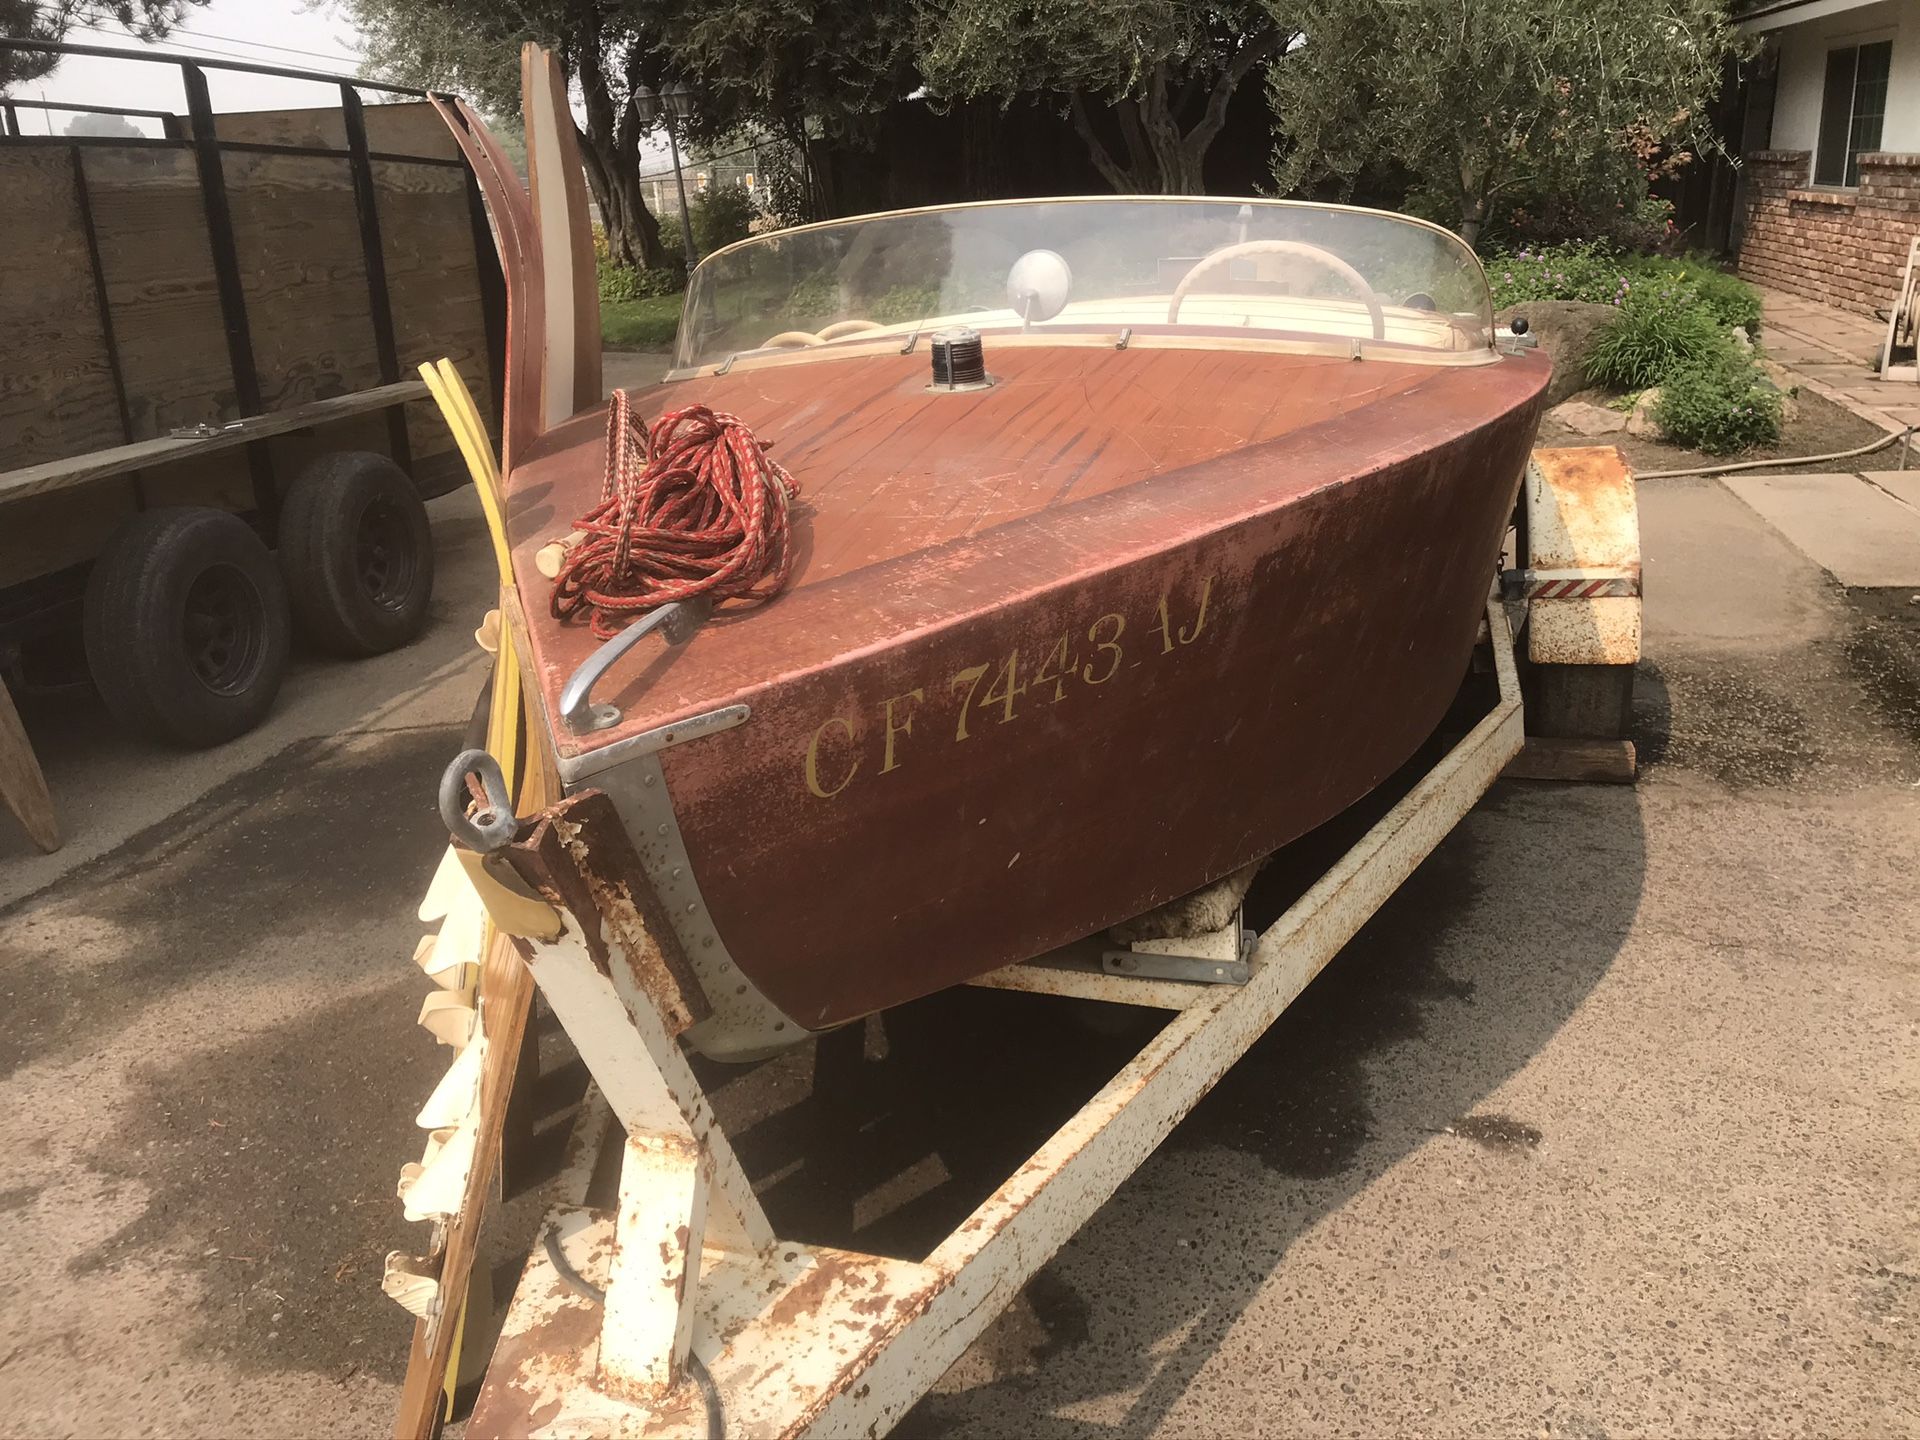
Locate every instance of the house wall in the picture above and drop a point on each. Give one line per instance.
(1845, 248)
(1803, 71)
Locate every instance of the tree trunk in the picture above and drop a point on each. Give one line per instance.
(1172, 173)
(1184, 175)
(610, 148)
(1157, 161)
(1111, 171)
(633, 234)
(821, 186)
(1162, 157)
(1473, 204)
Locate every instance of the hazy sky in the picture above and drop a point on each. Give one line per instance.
(302, 34)
(299, 34)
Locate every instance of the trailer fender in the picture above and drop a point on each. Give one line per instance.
(1582, 576)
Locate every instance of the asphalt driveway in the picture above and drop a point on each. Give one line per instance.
(1605, 1126)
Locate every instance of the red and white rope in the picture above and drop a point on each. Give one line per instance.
(690, 506)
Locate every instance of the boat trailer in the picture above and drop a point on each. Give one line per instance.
(680, 1311)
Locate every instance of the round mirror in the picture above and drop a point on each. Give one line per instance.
(1037, 285)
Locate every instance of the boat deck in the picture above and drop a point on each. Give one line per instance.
(896, 483)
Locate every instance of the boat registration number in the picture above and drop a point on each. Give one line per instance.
(995, 692)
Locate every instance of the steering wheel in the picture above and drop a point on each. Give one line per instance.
(801, 339)
(1283, 247)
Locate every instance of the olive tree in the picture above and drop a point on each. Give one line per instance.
(1164, 72)
(1483, 99)
(607, 47)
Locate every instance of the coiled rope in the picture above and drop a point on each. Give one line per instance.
(689, 507)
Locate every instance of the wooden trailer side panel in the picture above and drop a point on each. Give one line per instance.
(409, 127)
(433, 281)
(299, 248)
(157, 263)
(316, 127)
(42, 534)
(296, 235)
(403, 127)
(56, 378)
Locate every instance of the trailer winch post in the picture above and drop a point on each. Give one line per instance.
(624, 1001)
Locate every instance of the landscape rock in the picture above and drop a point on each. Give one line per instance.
(1782, 379)
(1566, 331)
(1640, 422)
(1585, 418)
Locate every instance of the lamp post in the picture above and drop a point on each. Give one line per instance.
(674, 103)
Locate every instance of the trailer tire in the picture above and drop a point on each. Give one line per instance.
(186, 626)
(357, 552)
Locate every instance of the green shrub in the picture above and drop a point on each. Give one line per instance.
(1588, 271)
(673, 240)
(815, 298)
(1619, 213)
(1719, 403)
(620, 283)
(905, 302)
(617, 282)
(723, 215)
(1574, 271)
(1731, 300)
(1661, 328)
(785, 198)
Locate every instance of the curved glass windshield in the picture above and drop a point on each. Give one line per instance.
(1286, 272)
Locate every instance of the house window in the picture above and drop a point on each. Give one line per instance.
(1851, 111)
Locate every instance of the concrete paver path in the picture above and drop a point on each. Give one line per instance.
(1856, 532)
(1903, 485)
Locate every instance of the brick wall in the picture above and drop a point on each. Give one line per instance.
(1845, 248)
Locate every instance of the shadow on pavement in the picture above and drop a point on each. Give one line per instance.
(885, 1136)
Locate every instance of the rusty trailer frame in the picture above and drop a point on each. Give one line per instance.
(681, 1312)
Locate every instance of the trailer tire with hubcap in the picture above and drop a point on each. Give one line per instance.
(357, 552)
(186, 626)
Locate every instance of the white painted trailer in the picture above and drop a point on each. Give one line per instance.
(680, 1311)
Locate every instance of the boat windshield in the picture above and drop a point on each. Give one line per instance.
(1290, 274)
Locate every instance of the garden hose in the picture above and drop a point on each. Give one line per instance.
(1880, 444)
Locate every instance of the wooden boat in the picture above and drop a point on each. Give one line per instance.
(1197, 564)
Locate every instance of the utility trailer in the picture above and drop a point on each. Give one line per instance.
(207, 336)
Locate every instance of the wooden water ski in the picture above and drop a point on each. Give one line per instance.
(569, 282)
(513, 227)
(502, 987)
(542, 335)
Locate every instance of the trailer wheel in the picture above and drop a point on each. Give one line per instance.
(186, 626)
(358, 554)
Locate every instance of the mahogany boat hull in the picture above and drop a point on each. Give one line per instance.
(1168, 681)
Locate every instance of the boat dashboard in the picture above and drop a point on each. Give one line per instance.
(1107, 270)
